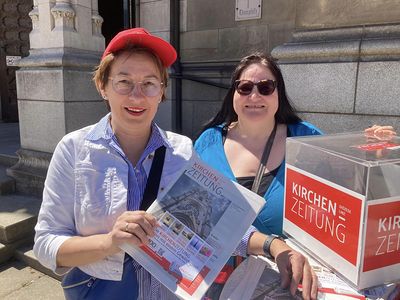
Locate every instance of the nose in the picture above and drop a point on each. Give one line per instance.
(254, 92)
(136, 92)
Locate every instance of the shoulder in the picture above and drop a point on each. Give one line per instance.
(75, 138)
(180, 145)
(78, 134)
(303, 128)
(68, 148)
(208, 137)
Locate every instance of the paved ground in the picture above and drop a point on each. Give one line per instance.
(17, 280)
(20, 282)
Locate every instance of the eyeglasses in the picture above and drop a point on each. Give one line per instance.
(148, 87)
(245, 87)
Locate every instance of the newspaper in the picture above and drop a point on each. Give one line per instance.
(202, 217)
(258, 278)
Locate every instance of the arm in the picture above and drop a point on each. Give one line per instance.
(57, 242)
(131, 227)
(293, 266)
(56, 217)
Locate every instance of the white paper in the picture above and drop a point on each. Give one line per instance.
(202, 216)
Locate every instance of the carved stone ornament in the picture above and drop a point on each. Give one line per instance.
(97, 20)
(34, 15)
(64, 15)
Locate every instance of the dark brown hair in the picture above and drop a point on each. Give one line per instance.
(226, 115)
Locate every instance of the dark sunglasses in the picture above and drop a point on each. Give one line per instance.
(245, 87)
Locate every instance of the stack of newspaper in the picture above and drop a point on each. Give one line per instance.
(258, 278)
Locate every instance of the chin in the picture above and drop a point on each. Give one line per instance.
(258, 116)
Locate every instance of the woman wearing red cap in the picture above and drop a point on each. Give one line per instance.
(96, 190)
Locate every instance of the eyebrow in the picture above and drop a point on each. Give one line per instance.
(122, 73)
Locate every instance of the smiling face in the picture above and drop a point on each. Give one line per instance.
(134, 111)
(256, 108)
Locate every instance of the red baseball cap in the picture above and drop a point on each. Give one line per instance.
(141, 37)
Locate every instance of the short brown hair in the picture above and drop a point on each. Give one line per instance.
(102, 72)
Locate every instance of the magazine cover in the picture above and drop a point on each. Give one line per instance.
(202, 217)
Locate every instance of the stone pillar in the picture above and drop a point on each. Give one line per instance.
(54, 87)
(342, 65)
(155, 17)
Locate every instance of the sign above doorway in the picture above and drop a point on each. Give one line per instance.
(247, 10)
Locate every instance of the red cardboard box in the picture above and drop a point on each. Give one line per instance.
(342, 204)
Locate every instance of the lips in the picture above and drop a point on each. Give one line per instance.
(135, 110)
(254, 106)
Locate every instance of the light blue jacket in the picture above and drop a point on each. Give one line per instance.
(86, 190)
(210, 148)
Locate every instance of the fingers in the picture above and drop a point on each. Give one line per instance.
(135, 226)
(290, 263)
(314, 286)
(380, 132)
(142, 229)
(295, 269)
(284, 271)
(309, 282)
(297, 266)
(137, 222)
(375, 128)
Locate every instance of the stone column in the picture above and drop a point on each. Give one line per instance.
(342, 65)
(54, 87)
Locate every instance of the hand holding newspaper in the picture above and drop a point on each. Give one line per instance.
(202, 217)
(258, 278)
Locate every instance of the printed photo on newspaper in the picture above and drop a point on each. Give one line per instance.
(202, 217)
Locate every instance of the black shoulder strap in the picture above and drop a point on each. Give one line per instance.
(224, 133)
(153, 182)
(264, 159)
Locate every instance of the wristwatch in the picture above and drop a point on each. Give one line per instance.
(267, 245)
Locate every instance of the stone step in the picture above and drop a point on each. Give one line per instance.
(26, 255)
(18, 216)
(7, 160)
(19, 281)
(7, 184)
(7, 251)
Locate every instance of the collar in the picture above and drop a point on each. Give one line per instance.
(103, 130)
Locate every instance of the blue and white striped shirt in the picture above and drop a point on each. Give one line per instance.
(149, 287)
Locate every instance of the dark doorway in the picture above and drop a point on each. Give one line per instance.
(117, 15)
(15, 25)
(4, 98)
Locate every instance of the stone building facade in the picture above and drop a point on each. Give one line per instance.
(340, 60)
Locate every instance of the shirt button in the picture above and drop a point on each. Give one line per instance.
(150, 156)
(162, 188)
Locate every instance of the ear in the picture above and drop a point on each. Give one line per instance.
(103, 93)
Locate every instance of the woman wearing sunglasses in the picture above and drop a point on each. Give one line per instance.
(252, 125)
(255, 108)
(250, 131)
